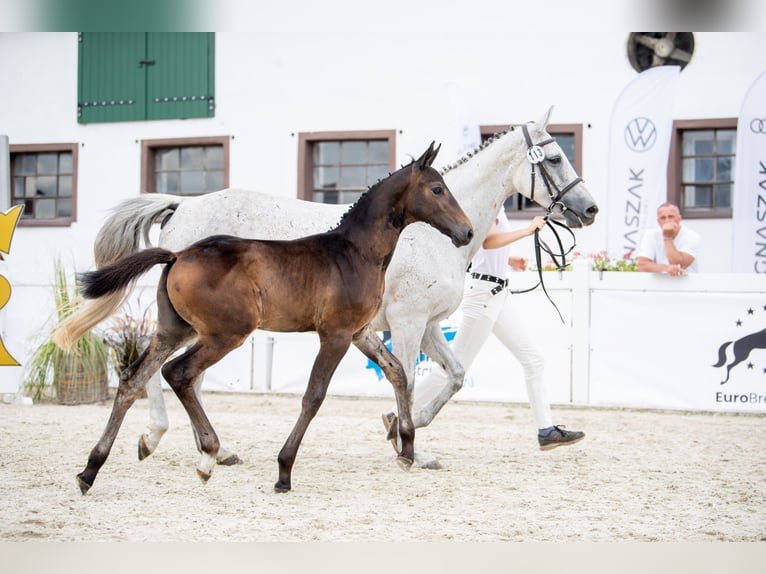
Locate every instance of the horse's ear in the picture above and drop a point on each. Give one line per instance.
(544, 120)
(428, 156)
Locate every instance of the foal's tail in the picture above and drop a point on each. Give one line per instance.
(119, 237)
(118, 276)
(722, 355)
(105, 289)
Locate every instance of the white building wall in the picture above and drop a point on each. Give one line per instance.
(272, 85)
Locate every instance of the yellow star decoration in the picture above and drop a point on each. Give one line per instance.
(8, 221)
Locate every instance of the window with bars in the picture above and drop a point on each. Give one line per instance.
(707, 172)
(185, 166)
(44, 181)
(701, 177)
(338, 167)
(569, 138)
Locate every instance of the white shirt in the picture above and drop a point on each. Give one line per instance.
(652, 246)
(494, 261)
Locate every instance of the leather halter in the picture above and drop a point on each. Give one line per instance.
(536, 155)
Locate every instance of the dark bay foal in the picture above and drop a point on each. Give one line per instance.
(212, 295)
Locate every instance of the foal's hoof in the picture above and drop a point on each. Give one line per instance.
(203, 476)
(281, 487)
(143, 449)
(84, 486)
(391, 424)
(404, 462)
(230, 460)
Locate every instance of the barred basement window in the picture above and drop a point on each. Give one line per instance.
(185, 166)
(44, 181)
(338, 167)
(701, 174)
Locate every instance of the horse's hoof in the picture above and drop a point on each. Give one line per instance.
(281, 487)
(230, 460)
(84, 486)
(203, 476)
(391, 424)
(431, 465)
(404, 463)
(143, 449)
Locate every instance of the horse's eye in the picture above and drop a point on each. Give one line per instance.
(555, 160)
(437, 190)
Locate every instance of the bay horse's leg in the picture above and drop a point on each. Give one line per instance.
(373, 348)
(132, 382)
(181, 373)
(224, 457)
(331, 351)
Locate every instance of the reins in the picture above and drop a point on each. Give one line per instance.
(535, 155)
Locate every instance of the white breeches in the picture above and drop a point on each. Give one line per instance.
(484, 313)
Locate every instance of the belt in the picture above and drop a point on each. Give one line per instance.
(501, 283)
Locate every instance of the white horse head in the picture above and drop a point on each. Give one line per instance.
(548, 177)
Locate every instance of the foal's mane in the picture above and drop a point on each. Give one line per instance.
(365, 197)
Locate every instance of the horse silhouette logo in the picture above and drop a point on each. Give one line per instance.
(742, 348)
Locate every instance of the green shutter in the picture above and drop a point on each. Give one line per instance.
(180, 83)
(140, 76)
(112, 83)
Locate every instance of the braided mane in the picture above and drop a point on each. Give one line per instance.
(470, 154)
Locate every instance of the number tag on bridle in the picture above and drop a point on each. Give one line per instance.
(535, 154)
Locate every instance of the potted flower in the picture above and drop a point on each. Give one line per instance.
(127, 336)
(74, 377)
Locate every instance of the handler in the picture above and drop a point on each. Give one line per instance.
(487, 308)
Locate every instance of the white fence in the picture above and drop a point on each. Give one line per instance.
(628, 339)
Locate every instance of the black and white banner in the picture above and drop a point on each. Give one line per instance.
(639, 141)
(749, 202)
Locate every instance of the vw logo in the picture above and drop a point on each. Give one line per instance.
(535, 154)
(640, 134)
(758, 126)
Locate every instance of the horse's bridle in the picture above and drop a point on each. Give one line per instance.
(536, 155)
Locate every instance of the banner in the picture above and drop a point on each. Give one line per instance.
(749, 201)
(639, 141)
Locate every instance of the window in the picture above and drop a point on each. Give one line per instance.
(337, 167)
(569, 138)
(185, 166)
(141, 76)
(44, 181)
(701, 170)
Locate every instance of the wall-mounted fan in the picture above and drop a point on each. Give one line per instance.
(649, 49)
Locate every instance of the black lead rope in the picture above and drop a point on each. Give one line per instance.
(559, 258)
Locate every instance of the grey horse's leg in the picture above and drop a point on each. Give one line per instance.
(427, 402)
(436, 347)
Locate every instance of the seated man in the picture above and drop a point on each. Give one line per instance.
(671, 249)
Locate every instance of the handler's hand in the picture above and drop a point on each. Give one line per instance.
(537, 223)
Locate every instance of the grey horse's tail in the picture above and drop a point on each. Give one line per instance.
(722, 354)
(129, 223)
(120, 236)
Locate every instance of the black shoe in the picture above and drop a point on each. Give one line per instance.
(559, 437)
